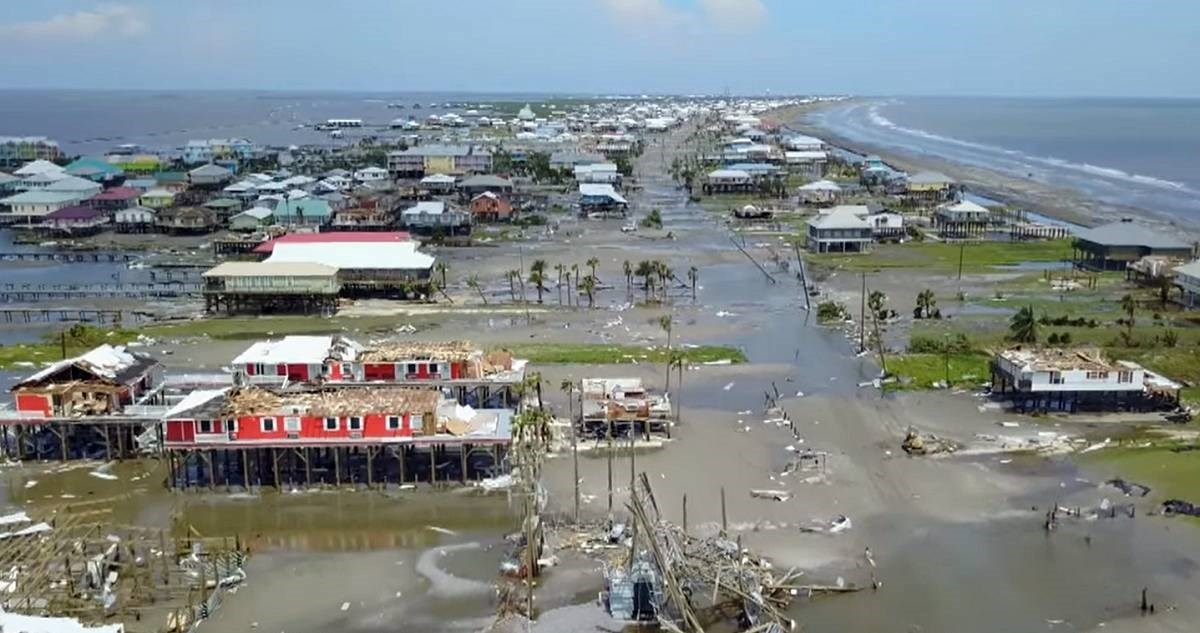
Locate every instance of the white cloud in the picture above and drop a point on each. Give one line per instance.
(656, 16)
(735, 15)
(110, 19)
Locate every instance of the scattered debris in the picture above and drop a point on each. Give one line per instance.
(775, 495)
(441, 530)
(916, 444)
(1130, 488)
(1178, 506)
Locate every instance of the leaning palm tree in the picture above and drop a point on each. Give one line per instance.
(473, 284)
(441, 268)
(628, 268)
(592, 263)
(1023, 326)
(645, 270)
(512, 276)
(692, 274)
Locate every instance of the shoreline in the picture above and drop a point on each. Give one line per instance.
(1062, 204)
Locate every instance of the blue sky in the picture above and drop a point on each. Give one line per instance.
(954, 47)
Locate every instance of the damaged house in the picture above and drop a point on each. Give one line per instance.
(1074, 379)
(374, 435)
(623, 406)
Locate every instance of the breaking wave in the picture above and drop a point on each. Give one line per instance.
(1110, 173)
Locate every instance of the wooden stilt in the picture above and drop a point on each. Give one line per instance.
(462, 460)
(402, 455)
(245, 470)
(206, 456)
(62, 440)
(307, 469)
(370, 467)
(108, 443)
(432, 464)
(275, 466)
(337, 466)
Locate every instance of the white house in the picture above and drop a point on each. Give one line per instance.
(1068, 379)
(842, 230)
(371, 174)
(1187, 278)
(38, 203)
(135, 219)
(820, 192)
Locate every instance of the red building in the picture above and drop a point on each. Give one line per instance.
(490, 207)
(248, 436)
(114, 199)
(332, 237)
(103, 381)
(476, 378)
(94, 406)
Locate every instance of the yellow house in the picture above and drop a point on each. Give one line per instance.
(439, 164)
(157, 199)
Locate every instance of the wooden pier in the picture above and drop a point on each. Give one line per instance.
(68, 256)
(67, 315)
(49, 292)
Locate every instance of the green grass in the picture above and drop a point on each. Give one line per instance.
(977, 257)
(600, 354)
(51, 348)
(922, 371)
(1170, 475)
(258, 327)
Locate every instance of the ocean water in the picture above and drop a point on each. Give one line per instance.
(1143, 153)
(89, 122)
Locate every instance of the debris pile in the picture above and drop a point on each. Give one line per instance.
(928, 444)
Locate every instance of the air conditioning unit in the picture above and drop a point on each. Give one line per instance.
(356, 435)
(293, 435)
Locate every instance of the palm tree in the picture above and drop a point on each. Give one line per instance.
(926, 304)
(592, 263)
(665, 322)
(1164, 285)
(441, 268)
(664, 274)
(589, 286)
(559, 268)
(1129, 305)
(512, 276)
(628, 268)
(1023, 326)
(473, 284)
(645, 270)
(692, 274)
(575, 288)
(876, 302)
(568, 386)
(538, 279)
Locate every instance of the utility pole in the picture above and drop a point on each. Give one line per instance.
(961, 247)
(574, 447)
(862, 321)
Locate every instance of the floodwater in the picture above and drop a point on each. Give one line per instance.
(957, 543)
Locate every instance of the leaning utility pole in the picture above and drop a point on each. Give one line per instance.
(862, 321)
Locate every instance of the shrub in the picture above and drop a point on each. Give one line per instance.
(831, 311)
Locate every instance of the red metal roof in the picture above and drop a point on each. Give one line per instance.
(333, 237)
(118, 193)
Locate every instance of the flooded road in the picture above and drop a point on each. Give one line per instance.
(957, 542)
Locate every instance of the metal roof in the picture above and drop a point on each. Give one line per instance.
(839, 218)
(1126, 232)
(359, 255)
(270, 268)
(39, 196)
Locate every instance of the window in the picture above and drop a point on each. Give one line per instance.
(416, 422)
(1056, 378)
(291, 424)
(1125, 376)
(433, 368)
(347, 369)
(232, 425)
(268, 425)
(206, 426)
(260, 369)
(331, 424)
(1097, 375)
(393, 423)
(412, 368)
(355, 423)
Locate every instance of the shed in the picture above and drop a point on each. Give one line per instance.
(1115, 245)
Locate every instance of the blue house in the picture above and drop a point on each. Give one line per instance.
(95, 169)
(314, 211)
